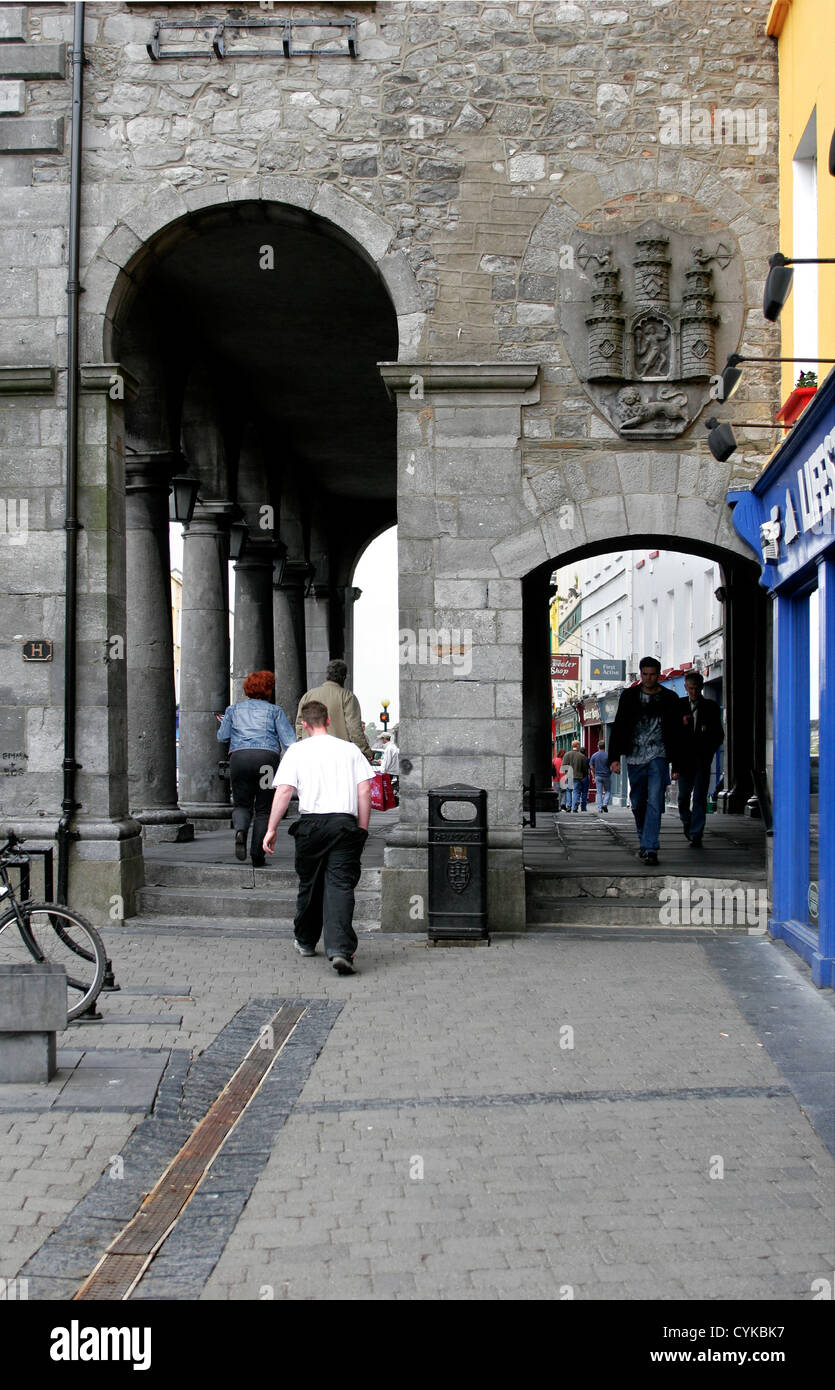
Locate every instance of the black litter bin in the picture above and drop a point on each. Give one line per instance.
(457, 864)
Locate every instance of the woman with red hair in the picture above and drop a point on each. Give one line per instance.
(258, 733)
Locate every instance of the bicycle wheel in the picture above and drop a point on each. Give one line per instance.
(62, 937)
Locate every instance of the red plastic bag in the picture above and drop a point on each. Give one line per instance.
(382, 794)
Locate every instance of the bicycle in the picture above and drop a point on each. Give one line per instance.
(49, 932)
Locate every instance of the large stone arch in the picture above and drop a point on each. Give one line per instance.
(108, 277)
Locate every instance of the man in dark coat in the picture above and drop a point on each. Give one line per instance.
(645, 733)
(700, 735)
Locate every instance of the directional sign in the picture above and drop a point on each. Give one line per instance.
(565, 668)
(607, 670)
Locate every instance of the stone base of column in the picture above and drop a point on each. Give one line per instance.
(164, 827)
(405, 880)
(207, 816)
(106, 870)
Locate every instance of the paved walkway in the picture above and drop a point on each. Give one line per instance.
(546, 1118)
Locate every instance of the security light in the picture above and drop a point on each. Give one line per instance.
(730, 374)
(779, 280)
(721, 439)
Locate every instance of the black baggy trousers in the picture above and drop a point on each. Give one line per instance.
(250, 772)
(328, 853)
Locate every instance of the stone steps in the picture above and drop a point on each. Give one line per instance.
(639, 899)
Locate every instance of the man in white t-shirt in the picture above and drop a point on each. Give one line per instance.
(333, 781)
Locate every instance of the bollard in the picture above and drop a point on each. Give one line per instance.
(33, 1007)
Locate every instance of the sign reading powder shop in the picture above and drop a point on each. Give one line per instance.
(788, 520)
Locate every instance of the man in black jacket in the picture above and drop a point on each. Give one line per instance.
(645, 733)
(700, 735)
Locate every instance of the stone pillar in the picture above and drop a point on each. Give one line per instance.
(289, 639)
(253, 644)
(204, 664)
(460, 618)
(317, 626)
(152, 766)
(106, 865)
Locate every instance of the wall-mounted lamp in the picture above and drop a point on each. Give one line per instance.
(721, 439)
(779, 280)
(730, 375)
(279, 564)
(238, 537)
(182, 496)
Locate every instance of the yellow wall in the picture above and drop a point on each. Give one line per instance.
(806, 66)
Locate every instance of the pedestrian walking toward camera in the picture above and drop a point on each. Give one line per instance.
(333, 782)
(576, 760)
(257, 732)
(701, 735)
(342, 705)
(599, 763)
(646, 734)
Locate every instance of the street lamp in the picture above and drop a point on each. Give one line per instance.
(238, 536)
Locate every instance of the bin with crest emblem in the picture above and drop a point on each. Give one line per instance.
(457, 864)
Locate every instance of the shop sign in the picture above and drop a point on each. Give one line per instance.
(590, 712)
(565, 667)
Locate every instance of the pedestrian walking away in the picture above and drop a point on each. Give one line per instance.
(646, 735)
(333, 781)
(599, 763)
(576, 764)
(257, 732)
(342, 706)
(700, 737)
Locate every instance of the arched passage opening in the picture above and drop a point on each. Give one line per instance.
(253, 331)
(709, 616)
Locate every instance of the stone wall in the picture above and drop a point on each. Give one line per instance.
(465, 148)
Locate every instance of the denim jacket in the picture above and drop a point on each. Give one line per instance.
(256, 724)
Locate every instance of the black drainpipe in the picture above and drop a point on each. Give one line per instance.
(71, 523)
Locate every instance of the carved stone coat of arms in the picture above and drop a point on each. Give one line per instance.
(649, 316)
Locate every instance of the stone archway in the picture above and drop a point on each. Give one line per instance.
(107, 862)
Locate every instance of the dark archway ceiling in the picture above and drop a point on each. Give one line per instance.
(295, 347)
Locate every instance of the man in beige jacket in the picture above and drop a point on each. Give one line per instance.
(342, 705)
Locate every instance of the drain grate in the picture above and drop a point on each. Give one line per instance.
(131, 1253)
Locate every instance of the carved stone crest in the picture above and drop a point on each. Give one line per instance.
(647, 317)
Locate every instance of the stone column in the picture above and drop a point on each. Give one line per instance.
(204, 664)
(106, 866)
(317, 626)
(289, 639)
(460, 617)
(152, 768)
(253, 644)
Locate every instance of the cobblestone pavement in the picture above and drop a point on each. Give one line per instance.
(551, 1117)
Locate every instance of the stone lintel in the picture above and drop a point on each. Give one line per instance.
(27, 381)
(98, 376)
(516, 378)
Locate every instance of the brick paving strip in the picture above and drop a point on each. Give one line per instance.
(126, 1239)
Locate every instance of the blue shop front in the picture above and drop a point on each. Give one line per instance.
(788, 519)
